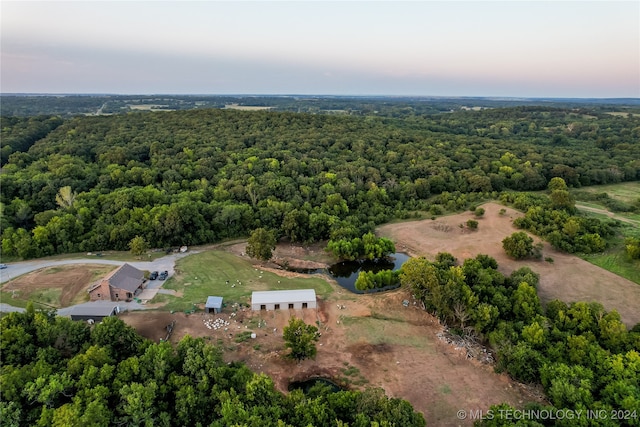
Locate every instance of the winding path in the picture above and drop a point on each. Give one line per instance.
(607, 213)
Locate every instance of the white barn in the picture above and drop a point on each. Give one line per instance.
(276, 300)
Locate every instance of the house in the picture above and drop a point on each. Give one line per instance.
(94, 311)
(213, 305)
(275, 300)
(122, 284)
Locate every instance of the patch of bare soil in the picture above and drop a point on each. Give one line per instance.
(290, 256)
(568, 278)
(435, 377)
(73, 280)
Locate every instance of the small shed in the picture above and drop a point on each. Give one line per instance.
(213, 305)
(276, 300)
(94, 311)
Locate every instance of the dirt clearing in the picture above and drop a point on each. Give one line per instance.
(367, 341)
(568, 278)
(59, 286)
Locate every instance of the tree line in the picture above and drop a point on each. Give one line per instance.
(583, 356)
(59, 372)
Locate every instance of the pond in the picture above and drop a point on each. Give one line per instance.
(346, 272)
(306, 385)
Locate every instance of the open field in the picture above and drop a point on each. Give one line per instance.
(149, 107)
(622, 114)
(625, 192)
(615, 258)
(54, 287)
(568, 278)
(602, 212)
(246, 107)
(232, 277)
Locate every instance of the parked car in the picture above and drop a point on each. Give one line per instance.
(153, 275)
(163, 275)
(3, 266)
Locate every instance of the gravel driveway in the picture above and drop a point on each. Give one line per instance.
(167, 262)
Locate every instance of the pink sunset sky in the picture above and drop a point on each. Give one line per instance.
(429, 48)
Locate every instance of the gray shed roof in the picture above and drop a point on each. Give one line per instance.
(94, 308)
(275, 297)
(214, 302)
(126, 277)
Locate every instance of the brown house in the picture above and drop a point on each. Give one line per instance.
(122, 284)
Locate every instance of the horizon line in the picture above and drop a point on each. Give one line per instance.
(283, 95)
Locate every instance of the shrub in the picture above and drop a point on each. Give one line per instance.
(519, 245)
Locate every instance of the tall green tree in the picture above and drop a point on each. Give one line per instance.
(261, 244)
(66, 198)
(301, 339)
(138, 245)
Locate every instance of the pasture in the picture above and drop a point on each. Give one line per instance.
(232, 277)
(568, 278)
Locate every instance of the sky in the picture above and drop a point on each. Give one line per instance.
(559, 49)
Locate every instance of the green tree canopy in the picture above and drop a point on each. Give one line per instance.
(261, 244)
(301, 339)
(138, 245)
(519, 245)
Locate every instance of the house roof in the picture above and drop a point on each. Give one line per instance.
(94, 308)
(126, 277)
(275, 297)
(214, 302)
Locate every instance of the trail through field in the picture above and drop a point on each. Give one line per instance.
(607, 213)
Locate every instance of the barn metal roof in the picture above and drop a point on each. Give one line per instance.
(214, 302)
(275, 297)
(94, 308)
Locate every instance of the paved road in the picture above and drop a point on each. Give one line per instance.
(160, 264)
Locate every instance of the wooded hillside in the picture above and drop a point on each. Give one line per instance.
(198, 176)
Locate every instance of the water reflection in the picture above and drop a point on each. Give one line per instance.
(346, 272)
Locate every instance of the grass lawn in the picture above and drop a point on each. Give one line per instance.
(616, 215)
(615, 258)
(616, 261)
(201, 275)
(39, 301)
(626, 191)
(112, 255)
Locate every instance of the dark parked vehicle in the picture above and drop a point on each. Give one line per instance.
(153, 275)
(163, 275)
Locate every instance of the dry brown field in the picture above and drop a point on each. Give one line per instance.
(568, 278)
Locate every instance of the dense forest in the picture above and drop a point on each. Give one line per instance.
(91, 183)
(58, 372)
